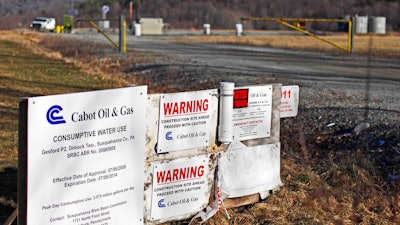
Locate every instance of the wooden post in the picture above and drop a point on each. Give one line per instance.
(12, 217)
(22, 162)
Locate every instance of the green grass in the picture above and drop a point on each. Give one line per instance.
(25, 74)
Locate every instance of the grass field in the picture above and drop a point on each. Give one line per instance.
(347, 193)
(25, 73)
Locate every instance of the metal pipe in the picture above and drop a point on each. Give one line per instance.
(122, 34)
(295, 19)
(104, 34)
(351, 35)
(130, 11)
(225, 125)
(284, 21)
(310, 34)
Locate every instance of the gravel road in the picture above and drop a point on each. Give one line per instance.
(364, 82)
(337, 92)
(327, 81)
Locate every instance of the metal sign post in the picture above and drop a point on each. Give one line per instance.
(104, 10)
(122, 34)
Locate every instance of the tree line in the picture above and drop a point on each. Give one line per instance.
(185, 14)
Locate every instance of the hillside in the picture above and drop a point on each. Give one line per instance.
(222, 14)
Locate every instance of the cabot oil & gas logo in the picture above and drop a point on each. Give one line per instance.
(53, 117)
(161, 203)
(168, 136)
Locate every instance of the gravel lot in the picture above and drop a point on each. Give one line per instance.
(335, 81)
(341, 89)
(337, 92)
(348, 105)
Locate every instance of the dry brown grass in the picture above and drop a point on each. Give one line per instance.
(28, 68)
(345, 191)
(345, 195)
(386, 46)
(79, 53)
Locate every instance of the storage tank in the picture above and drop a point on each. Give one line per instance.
(361, 24)
(206, 29)
(239, 29)
(137, 29)
(377, 25)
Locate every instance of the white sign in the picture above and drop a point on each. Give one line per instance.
(86, 157)
(179, 187)
(289, 101)
(185, 121)
(105, 8)
(250, 170)
(252, 112)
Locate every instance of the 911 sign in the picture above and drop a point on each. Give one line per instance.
(289, 101)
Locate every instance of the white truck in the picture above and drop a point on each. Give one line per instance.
(43, 24)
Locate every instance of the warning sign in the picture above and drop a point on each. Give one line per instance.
(185, 121)
(252, 112)
(179, 187)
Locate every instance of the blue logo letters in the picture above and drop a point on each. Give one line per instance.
(168, 136)
(161, 203)
(52, 117)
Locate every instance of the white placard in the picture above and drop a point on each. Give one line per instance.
(250, 170)
(180, 187)
(289, 101)
(185, 121)
(252, 112)
(86, 157)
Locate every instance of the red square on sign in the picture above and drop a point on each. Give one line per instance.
(240, 98)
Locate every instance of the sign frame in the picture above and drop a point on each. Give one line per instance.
(290, 97)
(185, 121)
(252, 116)
(111, 147)
(184, 193)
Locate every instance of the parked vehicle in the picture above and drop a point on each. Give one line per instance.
(43, 24)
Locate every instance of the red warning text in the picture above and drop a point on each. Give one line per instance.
(185, 107)
(180, 174)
